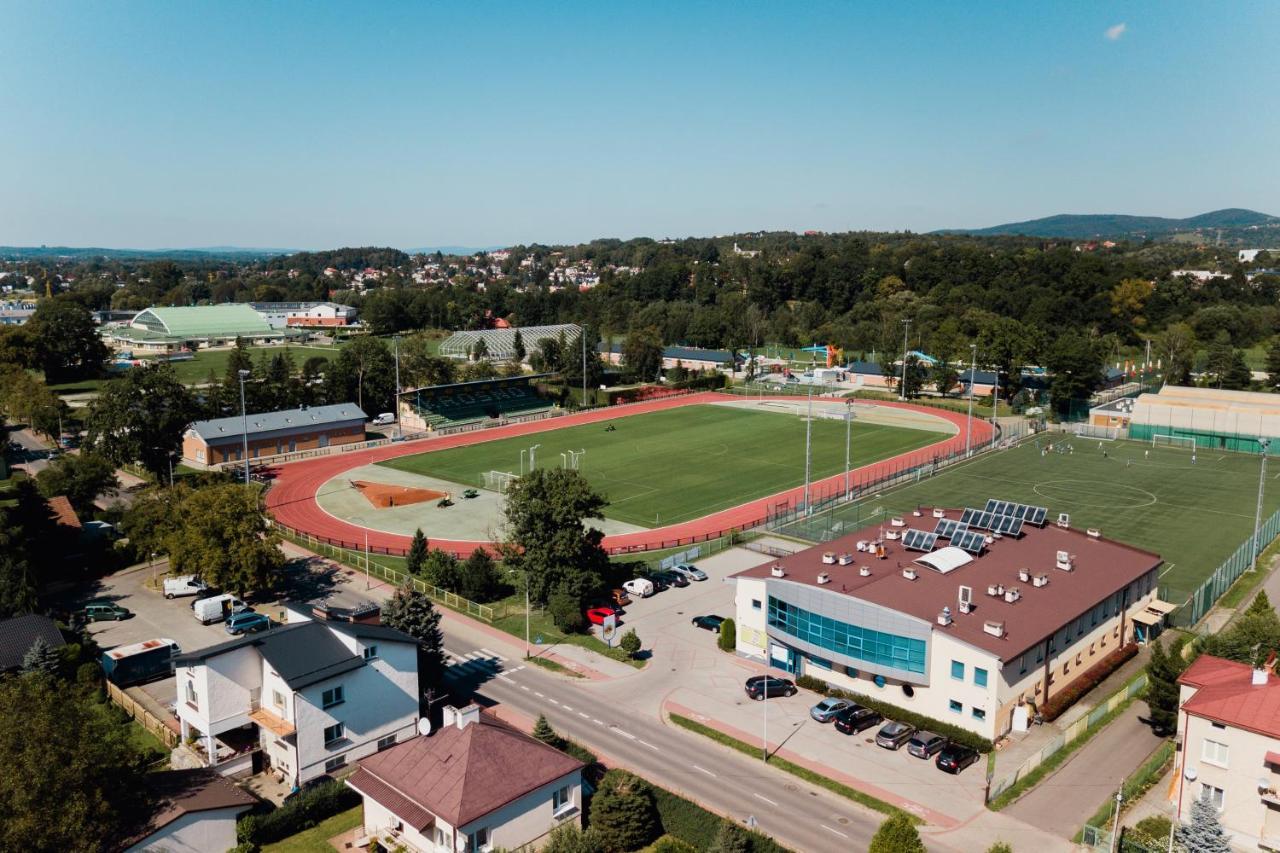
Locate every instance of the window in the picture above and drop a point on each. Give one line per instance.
(334, 733)
(755, 604)
(370, 652)
(1039, 654)
(193, 698)
(1211, 795)
(820, 663)
(562, 801)
(332, 696)
(905, 654)
(1022, 664)
(388, 741)
(979, 714)
(1222, 726)
(478, 840)
(979, 676)
(956, 707)
(957, 670)
(1215, 753)
(277, 699)
(334, 763)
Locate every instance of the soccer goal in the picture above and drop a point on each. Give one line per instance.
(499, 481)
(1100, 433)
(1178, 442)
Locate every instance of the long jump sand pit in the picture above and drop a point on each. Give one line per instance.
(385, 495)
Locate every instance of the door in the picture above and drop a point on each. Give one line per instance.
(324, 439)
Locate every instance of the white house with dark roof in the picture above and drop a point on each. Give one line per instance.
(195, 811)
(475, 784)
(222, 440)
(308, 697)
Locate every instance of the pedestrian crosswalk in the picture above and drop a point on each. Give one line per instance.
(480, 661)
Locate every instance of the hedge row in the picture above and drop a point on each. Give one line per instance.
(694, 825)
(300, 813)
(1096, 674)
(902, 715)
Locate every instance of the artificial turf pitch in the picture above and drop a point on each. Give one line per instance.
(679, 464)
(1194, 515)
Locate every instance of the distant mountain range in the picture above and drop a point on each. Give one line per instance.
(238, 253)
(453, 250)
(1236, 224)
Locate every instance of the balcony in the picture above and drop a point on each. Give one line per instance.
(271, 721)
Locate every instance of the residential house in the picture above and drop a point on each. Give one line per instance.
(474, 785)
(303, 699)
(195, 812)
(19, 633)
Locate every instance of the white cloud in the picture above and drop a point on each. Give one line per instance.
(1114, 33)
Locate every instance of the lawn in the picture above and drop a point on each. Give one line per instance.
(675, 465)
(316, 839)
(196, 371)
(1194, 515)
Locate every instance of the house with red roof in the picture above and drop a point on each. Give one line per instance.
(1229, 728)
(475, 784)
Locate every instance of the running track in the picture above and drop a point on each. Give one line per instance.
(291, 498)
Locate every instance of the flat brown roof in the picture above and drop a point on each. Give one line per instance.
(1102, 567)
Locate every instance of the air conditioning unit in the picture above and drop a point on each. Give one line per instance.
(865, 571)
(995, 590)
(966, 598)
(1065, 561)
(897, 521)
(1012, 594)
(1024, 575)
(845, 559)
(938, 513)
(891, 534)
(966, 607)
(778, 572)
(1093, 533)
(944, 618)
(829, 558)
(823, 578)
(916, 513)
(995, 629)
(1040, 580)
(909, 573)
(1064, 519)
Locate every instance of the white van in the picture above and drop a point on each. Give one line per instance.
(183, 585)
(640, 587)
(216, 608)
(384, 419)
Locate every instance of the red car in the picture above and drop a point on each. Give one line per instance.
(596, 615)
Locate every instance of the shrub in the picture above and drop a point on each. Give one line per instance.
(302, 812)
(566, 611)
(1000, 847)
(902, 715)
(1091, 678)
(896, 835)
(1150, 833)
(671, 844)
(623, 814)
(630, 643)
(728, 639)
(730, 838)
(685, 819)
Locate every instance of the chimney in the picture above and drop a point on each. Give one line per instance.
(1012, 594)
(1040, 580)
(944, 618)
(829, 558)
(1259, 677)
(1093, 533)
(466, 716)
(845, 559)
(1024, 575)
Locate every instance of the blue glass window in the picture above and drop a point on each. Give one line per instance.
(979, 676)
(853, 641)
(957, 670)
(956, 706)
(979, 714)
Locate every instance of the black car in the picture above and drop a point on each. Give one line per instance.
(856, 718)
(669, 578)
(956, 757)
(660, 584)
(708, 623)
(761, 686)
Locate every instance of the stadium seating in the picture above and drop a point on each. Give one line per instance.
(470, 406)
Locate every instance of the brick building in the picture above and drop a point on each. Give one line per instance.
(270, 433)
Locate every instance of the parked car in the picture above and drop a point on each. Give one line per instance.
(217, 608)
(383, 419)
(955, 757)
(101, 610)
(826, 710)
(689, 571)
(760, 686)
(641, 587)
(856, 719)
(893, 735)
(708, 623)
(925, 744)
(183, 585)
(247, 623)
(620, 597)
(669, 578)
(597, 615)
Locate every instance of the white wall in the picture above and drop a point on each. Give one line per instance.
(379, 821)
(223, 686)
(530, 818)
(200, 832)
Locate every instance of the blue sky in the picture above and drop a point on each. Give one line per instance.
(311, 125)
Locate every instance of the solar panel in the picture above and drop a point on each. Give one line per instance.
(946, 526)
(969, 541)
(1030, 514)
(966, 517)
(1038, 516)
(984, 520)
(919, 540)
(1008, 525)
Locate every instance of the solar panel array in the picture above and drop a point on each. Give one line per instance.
(947, 526)
(1030, 514)
(919, 540)
(969, 540)
(977, 518)
(1007, 525)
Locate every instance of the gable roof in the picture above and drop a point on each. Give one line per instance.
(1226, 693)
(461, 775)
(292, 420)
(183, 792)
(17, 635)
(64, 514)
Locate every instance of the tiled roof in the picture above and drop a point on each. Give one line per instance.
(461, 775)
(287, 419)
(1102, 567)
(1226, 693)
(182, 792)
(64, 512)
(17, 635)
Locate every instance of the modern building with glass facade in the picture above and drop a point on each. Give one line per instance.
(979, 638)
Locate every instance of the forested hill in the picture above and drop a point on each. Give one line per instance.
(1236, 224)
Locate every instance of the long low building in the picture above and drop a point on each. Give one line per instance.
(189, 327)
(976, 616)
(270, 433)
(1207, 418)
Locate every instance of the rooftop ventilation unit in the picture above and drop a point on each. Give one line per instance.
(1040, 580)
(909, 573)
(1065, 561)
(823, 578)
(1024, 575)
(938, 513)
(891, 534)
(995, 629)
(995, 590)
(1064, 519)
(944, 618)
(1093, 533)
(966, 599)
(829, 558)
(845, 559)
(778, 572)
(865, 571)
(897, 521)
(1012, 594)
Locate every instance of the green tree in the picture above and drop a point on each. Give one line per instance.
(224, 538)
(68, 345)
(571, 838)
(420, 366)
(727, 640)
(630, 642)
(1226, 365)
(418, 551)
(442, 569)
(517, 346)
(1203, 834)
(237, 360)
(411, 611)
(1163, 669)
(1075, 370)
(41, 658)
(479, 350)
(81, 477)
(479, 579)
(566, 611)
(548, 538)
(1250, 638)
(1006, 344)
(897, 834)
(141, 418)
(17, 591)
(916, 376)
(945, 377)
(642, 354)
(542, 731)
(1176, 349)
(623, 814)
(59, 747)
(156, 513)
(1273, 365)
(730, 838)
(1000, 847)
(364, 371)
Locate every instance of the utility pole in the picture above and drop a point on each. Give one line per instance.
(902, 386)
(968, 429)
(583, 337)
(808, 429)
(1115, 827)
(244, 426)
(1257, 518)
(532, 463)
(399, 431)
(995, 409)
(848, 428)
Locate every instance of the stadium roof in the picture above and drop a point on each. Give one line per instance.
(500, 343)
(287, 419)
(202, 320)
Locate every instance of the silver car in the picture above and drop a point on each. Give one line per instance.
(689, 571)
(826, 710)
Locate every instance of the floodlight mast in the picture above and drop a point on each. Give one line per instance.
(1257, 518)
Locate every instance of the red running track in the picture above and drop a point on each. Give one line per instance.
(291, 500)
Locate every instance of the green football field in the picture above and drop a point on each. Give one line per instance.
(679, 464)
(1194, 515)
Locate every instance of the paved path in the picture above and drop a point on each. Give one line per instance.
(1066, 799)
(292, 496)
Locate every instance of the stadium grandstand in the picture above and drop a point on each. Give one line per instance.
(438, 406)
(500, 344)
(1207, 419)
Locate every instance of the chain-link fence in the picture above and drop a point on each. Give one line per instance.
(1203, 599)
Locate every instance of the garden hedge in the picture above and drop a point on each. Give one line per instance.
(302, 812)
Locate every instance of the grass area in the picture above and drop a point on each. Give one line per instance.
(196, 370)
(1194, 515)
(1244, 586)
(509, 617)
(554, 666)
(804, 773)
(675, 465)
(316, 839)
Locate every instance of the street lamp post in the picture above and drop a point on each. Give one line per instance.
(902, 385)
(848, 429)
(808, 429)
(523, 451)
(399, 431)
(973, 369)
(1257, 518)
(532, 457)
(244, 425)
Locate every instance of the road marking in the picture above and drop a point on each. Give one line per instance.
(836, 831)
(539, 695)
(597, 722)
(504, 678)
(552, 701)
(567, 708)
(584, 716)
(524, 687)
(704, 770)
(646, 743)
(492, 654)
(766, 799)
(627, 735)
